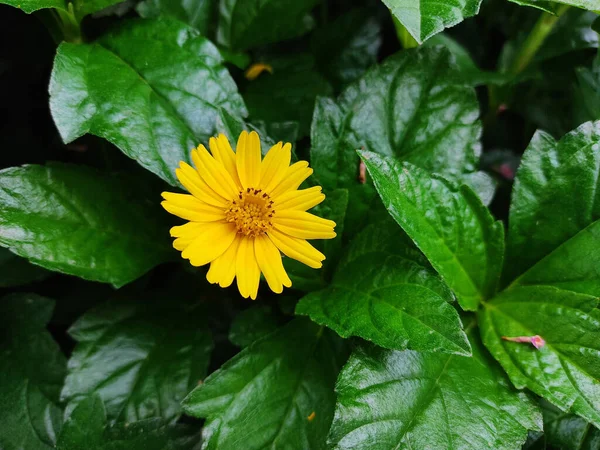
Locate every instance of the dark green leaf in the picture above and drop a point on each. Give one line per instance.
(425, 18)
(555, 195)
(16, 271)
(409, 107)
(565, 370)
(448, 223)
(567, 431)
(86, 428)
(588, 91)
(80, 9)
(276, 393)
(245, 24)
(78, 221)
(409, 400)
(252, 324)
(572, 32)
(199, 14)
(555, 6)
(152, 87)
(142, 357)
(382, 294)
(32, 370)
(347, 47)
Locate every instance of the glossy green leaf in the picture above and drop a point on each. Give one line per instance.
(574, 266)
(410, 107)
(252, 324)
(151, 87)
(567, 431)
(276, 393)
(287, 94)
(381, 293)
(447, 222)
(425, 18)
(86, 428)
(409, 400)
(565, 370)
(32, 370)
(555, 195)
(76, 220)
(346, 47)
(199, 14)
(244, 24)
(554, 6)
(17, 271)
(141, 356)
(30, 6)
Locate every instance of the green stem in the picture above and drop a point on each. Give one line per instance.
(534, 41)
(404, 36)
(70, 25)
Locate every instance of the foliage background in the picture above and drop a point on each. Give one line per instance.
(109, 341)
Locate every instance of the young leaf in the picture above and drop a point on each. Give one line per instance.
(198, 14)
(564, 369)
(75, 220)
(276, 393)
(17, 271)
(410, 107)
(406, 400)
(152, 87)
(244, 24)
(448, 223)
(87, 428)
(382, 294)
(542, 216)
(142, 357)
(567, 431)
(32, 370)
(425, 18)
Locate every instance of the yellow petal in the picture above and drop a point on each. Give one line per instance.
(213, 240)
(214, 173)
(297, 249)
(299, 200)
(293, 177)
(246, 269)
(269, 262)
(190, 208)
(256, 69)
(191, 180)
(222, 152)
(248, 159)
(190, 229)
(303, 225)
(274, 166)
(222, 269)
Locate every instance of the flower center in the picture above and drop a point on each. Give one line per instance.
(251, 212)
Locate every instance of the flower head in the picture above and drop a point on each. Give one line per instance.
(244, 211)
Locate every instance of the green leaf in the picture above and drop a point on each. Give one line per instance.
(554, 6)
(152, 87)
(80, 9)
(554, 196)
(345, 48)
(567, 431)
(447, 222)
(574, 266)
(198, 14)
(276, 393)
(16, 271)
(30, 6)
(244, 24)
(425, 18)
(141, 356)
(287, 94)
(78, 221)
(32, 370)
(87, 428)
(408, 400)
(565, 370)
(252, 324)
(572, 32)
(383, 294)
(588, 91)
(410, 107)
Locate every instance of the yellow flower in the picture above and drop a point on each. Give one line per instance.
(243, 212)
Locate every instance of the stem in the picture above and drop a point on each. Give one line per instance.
(404, 36)
(534, 41)
(70, 25)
